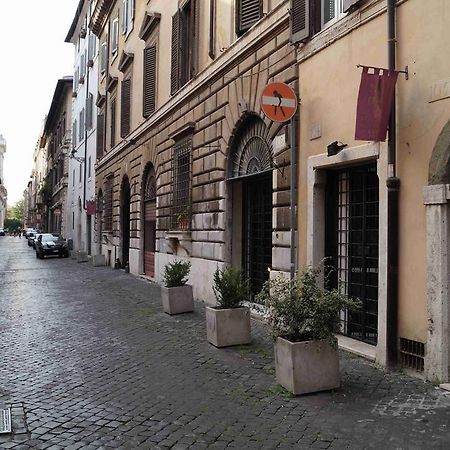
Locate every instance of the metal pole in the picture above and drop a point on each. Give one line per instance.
(393, 185)
(293, 172)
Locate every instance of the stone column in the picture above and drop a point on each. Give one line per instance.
(438, 228)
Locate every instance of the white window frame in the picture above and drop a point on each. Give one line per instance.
(127, 16)
(115, 36)
(338, 8)
(103, 57)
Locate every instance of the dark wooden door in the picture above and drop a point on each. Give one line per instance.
(149, 237)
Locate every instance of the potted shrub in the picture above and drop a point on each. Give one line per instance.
(176, 295)
(228, 323)
(304, 317)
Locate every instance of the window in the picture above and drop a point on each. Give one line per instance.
(73, 178)
(125, 108)
(82, 67)
(115, 36)
(81, 173)
(92, 46)
(128, 8)
(89, 167)
(82, 124)
(248, 12)
(184, 45)
(100, 134)
(108, 210)
(308, 17)
(74, 133)
(76, 80)
(181, 184)
(149, 78)
(89, 111)
(103, 57)
(113, 123)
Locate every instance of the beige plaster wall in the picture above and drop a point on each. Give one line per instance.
(329, 83)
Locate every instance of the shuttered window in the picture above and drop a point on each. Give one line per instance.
(108, 209)
(125, 111)
(300, 20)
(248, 12)
(113, 123)
(100, 135)
(175, 58)
(74, 133)
(89, 111)
(149, 78)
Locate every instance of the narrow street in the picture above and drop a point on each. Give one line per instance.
(89, 360)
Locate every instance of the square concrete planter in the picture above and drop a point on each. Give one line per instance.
(304, 367)
(98, 260)
(177, 300)
(226, 327)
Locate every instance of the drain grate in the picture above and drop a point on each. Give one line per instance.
(412, 354)
(5, 420)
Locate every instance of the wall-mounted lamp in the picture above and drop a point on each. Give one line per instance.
(335, 147)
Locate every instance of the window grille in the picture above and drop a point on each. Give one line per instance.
(412, 354)
(108, 205)
(181, 185)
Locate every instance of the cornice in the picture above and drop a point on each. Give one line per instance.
(100, 15)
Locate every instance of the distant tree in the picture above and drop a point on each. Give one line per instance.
(12, 224)
(17, 212)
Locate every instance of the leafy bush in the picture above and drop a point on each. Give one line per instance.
(229, 287)
(176, 274)
(301, 310)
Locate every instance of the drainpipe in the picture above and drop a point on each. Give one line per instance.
(293, 171)
(393, 186)
(86, 134)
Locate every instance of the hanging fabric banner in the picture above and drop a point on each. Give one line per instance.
(91, 207)
(375, 97)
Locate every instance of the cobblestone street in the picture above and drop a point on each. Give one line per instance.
(89, 360)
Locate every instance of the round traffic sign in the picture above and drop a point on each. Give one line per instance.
(278, 102)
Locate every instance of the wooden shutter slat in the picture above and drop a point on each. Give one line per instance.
(299, 20)
(149, 96)
(248, 13)
(175, 59)
(113, 123)
(125, 108)
(100, 135)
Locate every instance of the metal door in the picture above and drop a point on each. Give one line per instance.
(352, 234)
(257, 235)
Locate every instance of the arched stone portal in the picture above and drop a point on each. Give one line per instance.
(436, 200)
(149, 219)
(125, 215)
(250, 166)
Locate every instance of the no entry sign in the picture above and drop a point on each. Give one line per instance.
(279, 102)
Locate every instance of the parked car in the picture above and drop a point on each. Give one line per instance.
(35, 238)
(2, 232)
(29, 230)
(30, 238)
(51, 244)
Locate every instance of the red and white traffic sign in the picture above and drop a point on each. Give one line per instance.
(279, 102)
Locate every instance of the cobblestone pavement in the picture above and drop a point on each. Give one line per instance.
(88, 360)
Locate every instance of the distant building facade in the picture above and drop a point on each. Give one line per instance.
(81, 185)
(3, 191)
(57, 142)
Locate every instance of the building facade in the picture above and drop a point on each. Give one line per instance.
(187, 164)
(347, 201)
(3, 191)
(81, 186)
(56, 140)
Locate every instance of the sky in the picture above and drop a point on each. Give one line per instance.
(33, 56)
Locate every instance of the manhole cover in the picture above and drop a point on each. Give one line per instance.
(5, 420)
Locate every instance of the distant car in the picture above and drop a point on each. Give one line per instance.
(35, 238)
(51, 244)
(30, 238)
(2, 232)
(29, 230)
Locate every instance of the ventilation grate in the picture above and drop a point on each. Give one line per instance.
(412, 354)
(5, 420)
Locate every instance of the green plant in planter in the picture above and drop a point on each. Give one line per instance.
(229, 287)
(301, 309)
(176, 273)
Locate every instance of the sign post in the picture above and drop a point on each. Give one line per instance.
(279, 103)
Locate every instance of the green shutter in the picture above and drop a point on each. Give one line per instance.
(175, 60)
(125, 116)
(299, 20)
(248, 13)
(149, 97)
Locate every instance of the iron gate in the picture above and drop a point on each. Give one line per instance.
(352, 233)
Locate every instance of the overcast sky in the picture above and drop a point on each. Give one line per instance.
(33, 55)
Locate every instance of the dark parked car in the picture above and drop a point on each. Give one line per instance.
(51, 244)
(2, 232)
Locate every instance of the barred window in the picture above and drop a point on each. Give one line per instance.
(108, 205)
(181, 185)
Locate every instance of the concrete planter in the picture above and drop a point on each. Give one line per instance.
(226, 327)
(98, 260)
(304, 367)
(177, 300)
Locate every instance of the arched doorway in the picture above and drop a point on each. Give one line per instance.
(250, 174)
(79, 246)
(125, 200)
(100, 221)
(149, 221)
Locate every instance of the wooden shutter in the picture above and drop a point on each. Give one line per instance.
(175, 60)
(348, 4)
(248, 13)
(212, 29)
(100, 135)
(89, 110)
(125, 108)
(149, 97)
(113, 123)
(300, 20)
(194, 33)
(74, 133)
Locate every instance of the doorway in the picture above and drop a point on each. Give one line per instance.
(149, 222)
(125, 210)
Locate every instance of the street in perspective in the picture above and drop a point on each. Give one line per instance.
(225, 224)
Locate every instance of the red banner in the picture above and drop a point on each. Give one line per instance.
(376, 94)
(91, 207)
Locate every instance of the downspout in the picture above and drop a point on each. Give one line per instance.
(293, 205)
(86, 133)
(393, 186)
